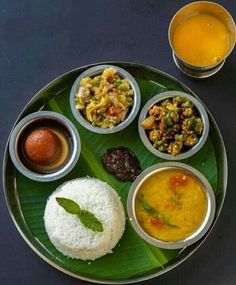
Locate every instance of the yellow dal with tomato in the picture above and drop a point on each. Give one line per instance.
(170, 205)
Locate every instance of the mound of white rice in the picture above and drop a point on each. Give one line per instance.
(69, 235)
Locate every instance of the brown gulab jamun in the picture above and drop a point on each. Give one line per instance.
(42, 146)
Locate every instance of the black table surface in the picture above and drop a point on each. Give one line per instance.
(41, 40)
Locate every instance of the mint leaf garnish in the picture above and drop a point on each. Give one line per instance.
(69, 205)
(87, 218)
(90, 221)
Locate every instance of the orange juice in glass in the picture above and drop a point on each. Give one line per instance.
(201, 34)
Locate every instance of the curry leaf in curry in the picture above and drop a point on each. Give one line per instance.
(147, 207)
(155, 213)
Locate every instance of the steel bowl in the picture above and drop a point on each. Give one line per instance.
(74, 145)
(209, 194)
(96, 70)
(202, 113)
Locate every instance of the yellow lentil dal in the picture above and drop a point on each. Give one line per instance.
(170, 205)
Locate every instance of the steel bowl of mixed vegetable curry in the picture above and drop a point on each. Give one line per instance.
(105, 99)
(173, 125)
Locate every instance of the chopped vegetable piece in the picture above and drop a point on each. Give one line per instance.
(191, 140)
(154, 135)
(157, 222)
(149, 123)
(175, 147)
(178, 180)
(114, 111)
(109, 79)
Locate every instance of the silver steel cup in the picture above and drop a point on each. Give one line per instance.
(202, 7)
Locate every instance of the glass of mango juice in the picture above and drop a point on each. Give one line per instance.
(201, 34)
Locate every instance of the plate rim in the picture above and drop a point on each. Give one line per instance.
(139, 278)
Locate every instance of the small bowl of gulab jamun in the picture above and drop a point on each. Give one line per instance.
(44, 146)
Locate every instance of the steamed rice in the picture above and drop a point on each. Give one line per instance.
(69, 235)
